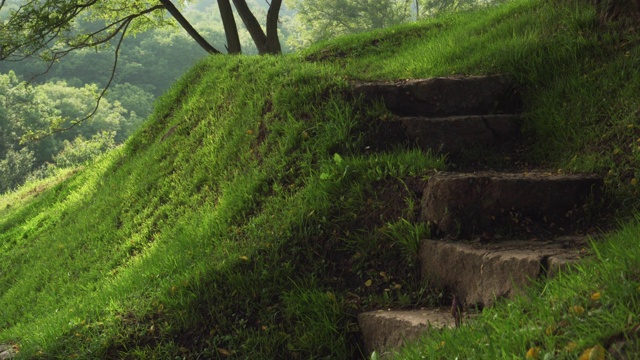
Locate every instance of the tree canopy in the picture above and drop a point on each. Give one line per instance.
(26, 109)
(54, 28)
(325, 19)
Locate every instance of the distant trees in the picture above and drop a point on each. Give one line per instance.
(325, 19)
(25, 109)
(53, 29)
(50, 29)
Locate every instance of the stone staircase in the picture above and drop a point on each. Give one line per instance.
(448, 114)
(495, 231)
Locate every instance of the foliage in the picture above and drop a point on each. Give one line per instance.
(325, 19)
(14, 168)
(25, 109)
(50, 30)
(80, 150)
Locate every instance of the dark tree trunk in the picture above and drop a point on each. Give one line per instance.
(230, 28)
(252, 25)
(273, 43)
(190, 30)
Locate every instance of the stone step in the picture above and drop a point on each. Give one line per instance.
(468, 204)
(454, 134)
(385, 330)
(480, 273)
(444, 96)
(8, 351)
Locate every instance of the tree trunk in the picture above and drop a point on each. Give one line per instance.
(252, 25)
(230, 28)
(273, 43)
(185, 25)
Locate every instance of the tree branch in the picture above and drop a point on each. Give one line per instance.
(87, 41)
(273, 43)
(230, 27)
(187, 26)
(75, 123)
(252, 25)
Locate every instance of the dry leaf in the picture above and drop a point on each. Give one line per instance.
(595, 353)
(571, 346)
(550, 330)
(331, 296)
(225, 352)
(577, 309)
(533, 353)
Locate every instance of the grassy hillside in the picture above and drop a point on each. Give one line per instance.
(248, 220)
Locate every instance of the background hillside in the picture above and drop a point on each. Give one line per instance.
(148, 63)
(249, 218)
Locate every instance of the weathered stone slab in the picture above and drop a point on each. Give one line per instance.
(456, 133)
(7, 352)
(463, 204)
(383, 331)
(480, 273)
(444, 96)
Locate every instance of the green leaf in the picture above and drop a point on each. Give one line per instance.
(337, 159)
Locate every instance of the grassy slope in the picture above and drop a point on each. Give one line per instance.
(228, 227)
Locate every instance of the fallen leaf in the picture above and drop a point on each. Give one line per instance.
(225, 352)
(331, 296)
(577, 309)
(595, 353)
(244, 258)
(595, 296)
(550, 330)
(368, 283)
(571, 346)
(533, 353)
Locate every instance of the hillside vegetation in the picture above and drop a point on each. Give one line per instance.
(248, 218)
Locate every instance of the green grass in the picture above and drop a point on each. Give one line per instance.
(245, 220)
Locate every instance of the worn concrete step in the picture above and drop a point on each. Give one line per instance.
(384, 330)
(8, 351)
(468, 204)
(480, 273)
(444, 96)
(454, 134)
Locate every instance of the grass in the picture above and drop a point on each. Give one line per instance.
(246, 220)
